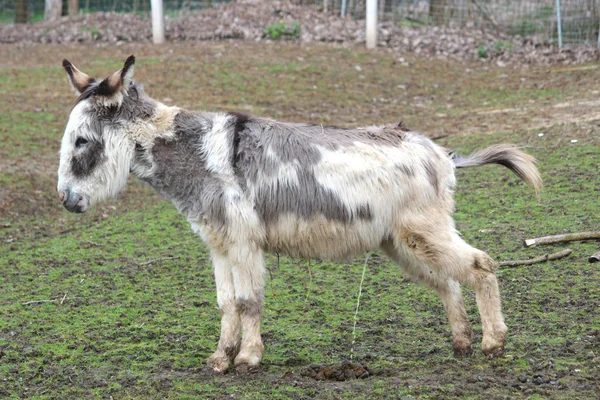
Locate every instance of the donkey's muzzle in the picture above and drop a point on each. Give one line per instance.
(72, 201)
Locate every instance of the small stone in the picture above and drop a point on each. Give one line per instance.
(538, 380)
(315, 366)
(522, 378)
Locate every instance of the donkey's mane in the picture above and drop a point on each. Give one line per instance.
(103, 89)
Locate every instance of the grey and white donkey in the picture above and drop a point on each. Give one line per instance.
(248, 185)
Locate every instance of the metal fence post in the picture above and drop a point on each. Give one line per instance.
(158, 21)
(371, 22)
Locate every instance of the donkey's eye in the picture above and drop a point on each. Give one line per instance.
(80, 142)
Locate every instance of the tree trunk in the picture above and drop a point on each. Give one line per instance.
(20, 11)
(52, 10)
(437, 11)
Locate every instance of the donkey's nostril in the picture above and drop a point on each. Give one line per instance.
(64, 195)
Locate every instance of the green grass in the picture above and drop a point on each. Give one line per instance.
(129, 307)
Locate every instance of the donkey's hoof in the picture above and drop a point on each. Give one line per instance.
(495, 352)
(219, 362)
(244, 368)
(463, 351)
(492, 348)
(246, 361)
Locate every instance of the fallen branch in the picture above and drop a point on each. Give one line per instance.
(545, 257)
(567, 237)
(37, 302)
(155, 260)
(594, 258)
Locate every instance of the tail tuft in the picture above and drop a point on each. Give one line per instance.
(519, 162)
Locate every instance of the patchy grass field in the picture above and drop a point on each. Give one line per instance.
(120, 301)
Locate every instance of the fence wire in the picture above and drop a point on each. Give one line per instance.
(580, 19)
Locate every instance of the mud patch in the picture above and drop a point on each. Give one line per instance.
(343, 371)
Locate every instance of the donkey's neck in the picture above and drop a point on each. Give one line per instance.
(169, 155)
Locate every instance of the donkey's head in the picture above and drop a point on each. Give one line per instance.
(97, 148)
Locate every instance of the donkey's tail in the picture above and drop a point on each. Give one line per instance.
(522, 164)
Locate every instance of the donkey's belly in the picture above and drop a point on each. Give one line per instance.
(323, 238)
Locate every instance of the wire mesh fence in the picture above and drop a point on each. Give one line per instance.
(579, 24)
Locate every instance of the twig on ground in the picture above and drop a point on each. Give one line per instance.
(37, 302)
(567, 237)
(94, 243)
(545, 257)
(64, 297)
(156, 260)
(594, 258)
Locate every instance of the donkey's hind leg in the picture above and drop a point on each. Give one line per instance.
(448, 290)
(438, 254)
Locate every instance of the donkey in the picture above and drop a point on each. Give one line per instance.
(249, 185)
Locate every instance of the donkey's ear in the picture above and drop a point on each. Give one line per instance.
(79, 80)
(116, 85)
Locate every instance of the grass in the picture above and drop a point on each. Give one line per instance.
(130, 308)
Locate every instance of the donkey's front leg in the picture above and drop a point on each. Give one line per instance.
(249, 281)
(229, 343)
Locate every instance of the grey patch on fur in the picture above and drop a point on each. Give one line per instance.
(431, 174)
(364, 212)
(249, 308)
(408, 170)
(87, 158)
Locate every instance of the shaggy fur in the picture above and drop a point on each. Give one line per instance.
(248, 184)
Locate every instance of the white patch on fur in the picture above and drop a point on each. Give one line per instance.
(217, 147)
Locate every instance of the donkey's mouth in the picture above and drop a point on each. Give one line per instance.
(73, 201)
